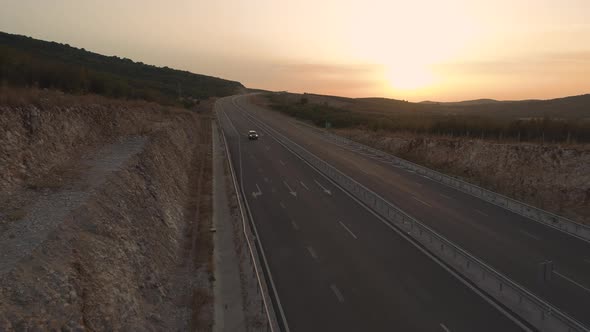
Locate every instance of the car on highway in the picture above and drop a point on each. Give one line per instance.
(252, 135)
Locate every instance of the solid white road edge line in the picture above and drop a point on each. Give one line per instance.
(421, 201)
(532, 236)
(482, 213)
(572, 281)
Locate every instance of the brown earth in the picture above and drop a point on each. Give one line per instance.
(133, 250)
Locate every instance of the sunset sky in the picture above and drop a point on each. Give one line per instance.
(415, 50)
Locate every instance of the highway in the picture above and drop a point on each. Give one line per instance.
(336, 265)
(512, 244)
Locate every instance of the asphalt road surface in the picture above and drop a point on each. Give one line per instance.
(336, 266)
(513, 244)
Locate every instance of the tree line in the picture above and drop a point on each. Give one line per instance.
(538, 130)
(26, 62)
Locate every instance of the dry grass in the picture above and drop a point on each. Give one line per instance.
(57, 178)
(18, 97)
(199, 216)
(201, 298)
(15, 214)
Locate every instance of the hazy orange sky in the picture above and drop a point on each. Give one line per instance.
(415, 50)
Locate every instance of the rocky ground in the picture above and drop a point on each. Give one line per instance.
(105, 214)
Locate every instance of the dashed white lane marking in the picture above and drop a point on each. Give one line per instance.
(533, 236)
(572, 281)
(482, 213)
(445, 196)
(282, 205)
(294, 224)
(347, 229)
(337, 293)
(282, 162)
(303, 184)
(446, 329)
(421, 201)
(312, 253)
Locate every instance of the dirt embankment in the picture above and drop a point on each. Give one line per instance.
(40, 130)
(134, 252)
(552, 177)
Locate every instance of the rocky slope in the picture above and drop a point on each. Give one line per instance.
(135, 253)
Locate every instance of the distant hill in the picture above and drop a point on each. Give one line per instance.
(555, 120)
(25, 61)
(573, 108)
(466, 102)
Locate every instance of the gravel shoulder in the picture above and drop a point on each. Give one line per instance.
(229, 307)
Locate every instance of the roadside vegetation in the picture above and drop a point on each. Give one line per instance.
(539, 122)
(27, 62)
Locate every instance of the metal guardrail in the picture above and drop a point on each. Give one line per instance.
(533, 309)
(254, 248)
(545, 217)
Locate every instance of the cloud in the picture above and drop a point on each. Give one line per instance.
(534, 65)
(331, 69)
(348, 79)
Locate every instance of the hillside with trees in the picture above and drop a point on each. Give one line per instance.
(542, 121)
(28, 62)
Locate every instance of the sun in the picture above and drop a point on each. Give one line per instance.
(408, 78)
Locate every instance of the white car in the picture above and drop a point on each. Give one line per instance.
(252, 135)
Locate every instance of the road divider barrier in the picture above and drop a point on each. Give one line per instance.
(545, 217)
(536, 311)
